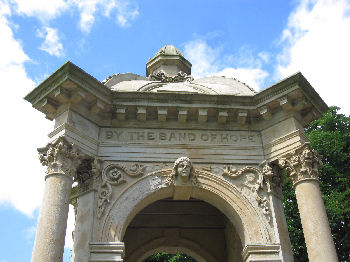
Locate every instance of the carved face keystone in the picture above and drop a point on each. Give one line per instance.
(183, 170)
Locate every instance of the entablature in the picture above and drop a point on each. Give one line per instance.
(71, 88)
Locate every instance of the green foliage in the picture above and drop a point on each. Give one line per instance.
(165, 257)
(330, 137)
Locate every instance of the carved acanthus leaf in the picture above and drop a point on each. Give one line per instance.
(302, 164)
(60, 157)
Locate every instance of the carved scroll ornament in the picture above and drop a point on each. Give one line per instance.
(114, 175)
(60, 157)
(254, 180)
(302, 164)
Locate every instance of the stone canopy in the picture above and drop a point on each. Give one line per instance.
(166, 162)
(224, 99)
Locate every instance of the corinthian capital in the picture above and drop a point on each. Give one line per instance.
(60, 157)
(301, 164)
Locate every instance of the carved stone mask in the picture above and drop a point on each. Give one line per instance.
(183, 168)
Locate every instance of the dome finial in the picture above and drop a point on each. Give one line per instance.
(169, 60)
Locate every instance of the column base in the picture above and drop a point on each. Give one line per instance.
(260, 253)
(107, 251)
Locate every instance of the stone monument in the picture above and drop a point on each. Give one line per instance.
(171, 163)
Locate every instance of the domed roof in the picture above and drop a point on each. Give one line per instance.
(169, 71)
(209, 85)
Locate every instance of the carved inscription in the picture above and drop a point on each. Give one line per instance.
(179, 136)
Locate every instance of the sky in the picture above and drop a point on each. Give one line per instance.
(260, 42)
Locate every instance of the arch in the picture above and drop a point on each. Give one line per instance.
(215, 190)
(185, 246)
(200, 88)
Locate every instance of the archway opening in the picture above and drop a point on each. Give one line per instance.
(166, 257)
(193, 227)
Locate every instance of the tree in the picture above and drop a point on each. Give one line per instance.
(165, 257)
(330, 137)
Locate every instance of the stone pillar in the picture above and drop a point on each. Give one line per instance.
(61, 159)
(302, 168)
(274, 180)
(87, 172)
(261, 253)
(107, 251)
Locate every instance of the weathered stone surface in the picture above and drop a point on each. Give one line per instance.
(61, 159)
(176, 164)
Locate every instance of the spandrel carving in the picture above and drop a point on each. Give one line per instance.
(253, 180)
(250, 181)
(114, 175)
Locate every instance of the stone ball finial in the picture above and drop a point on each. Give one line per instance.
(169, 50)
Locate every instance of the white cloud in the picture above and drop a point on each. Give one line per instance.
(51, 44)
(204, 58)
(207, 61)
(253, 77)
(87, 12)
(124, 11)
(42, 9)
(316, 42)
(23, 129)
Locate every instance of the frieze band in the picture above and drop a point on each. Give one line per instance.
(180, 136)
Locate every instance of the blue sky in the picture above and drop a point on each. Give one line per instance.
(257, 41)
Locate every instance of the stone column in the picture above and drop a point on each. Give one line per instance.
(61, 159)
(302, 168)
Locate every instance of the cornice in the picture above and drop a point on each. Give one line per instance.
(289, 84)
(73, 88)
(69, 71)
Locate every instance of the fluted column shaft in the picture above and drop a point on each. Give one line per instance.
(61, 159)
(302, 169)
